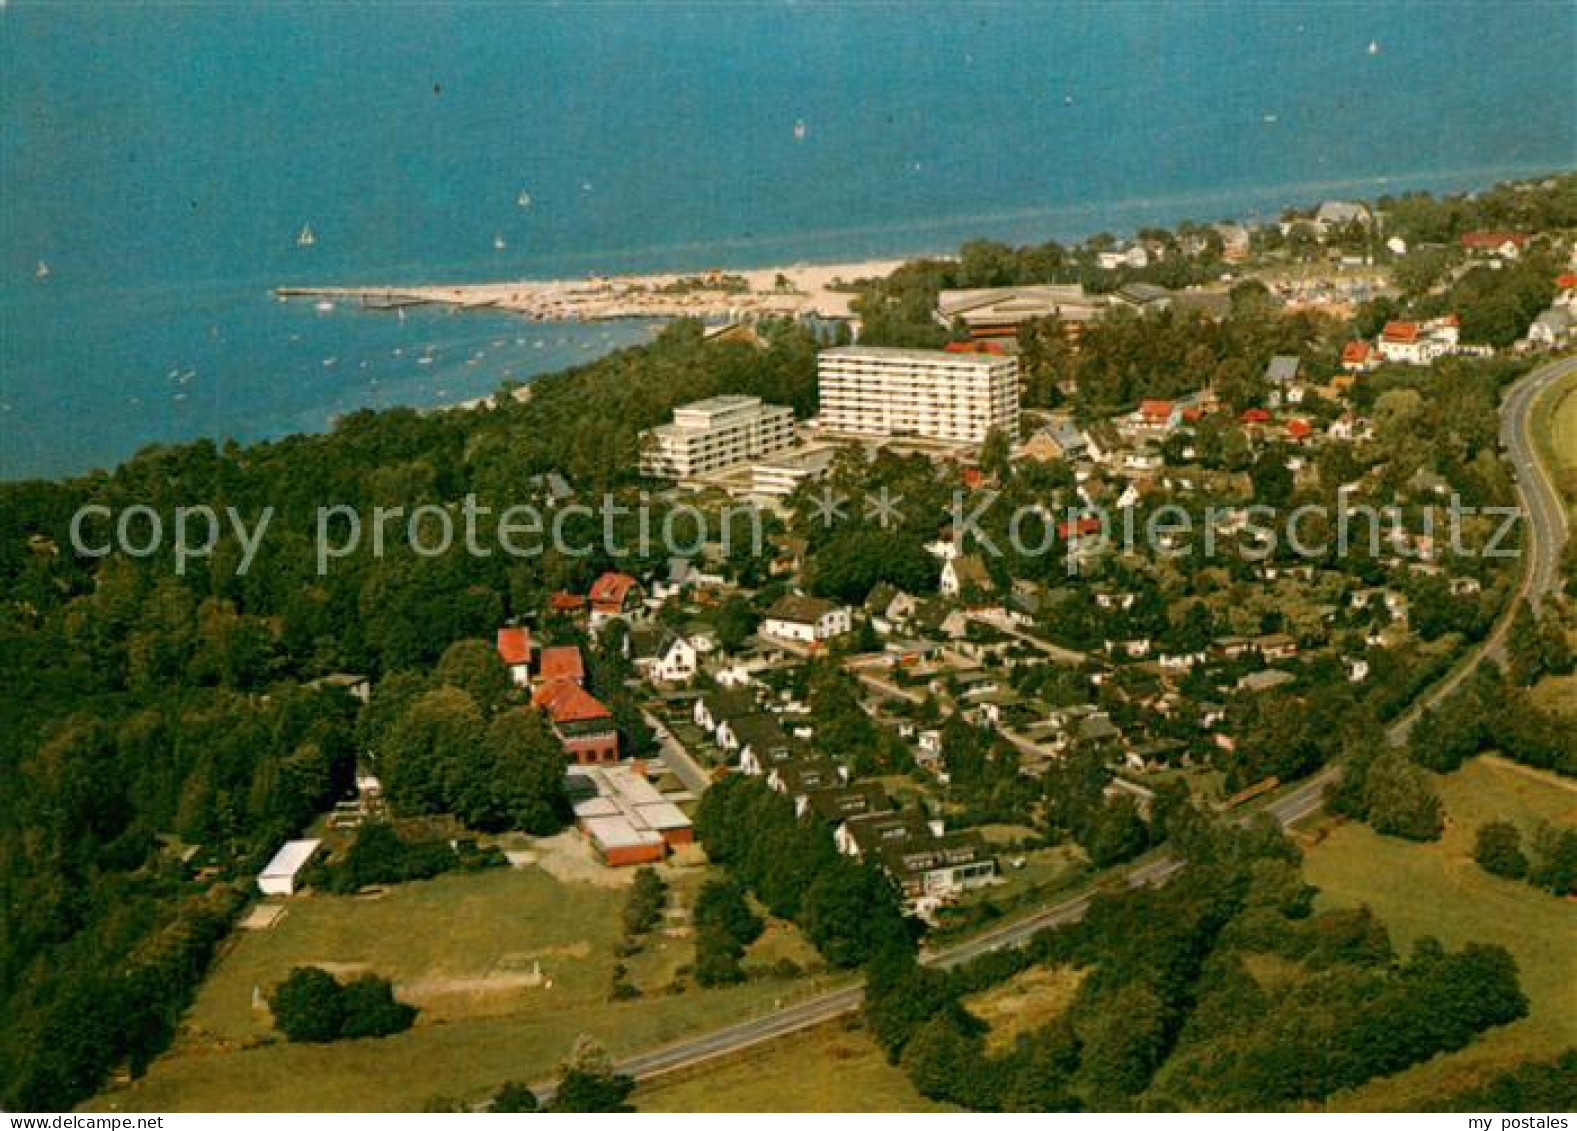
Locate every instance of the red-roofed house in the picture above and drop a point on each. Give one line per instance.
(1156, 415)
(1359, 357)
(567, 604)
(1506, 245)
(1255, 416)
(1298, 429)
(1566, 282)
(514, 648)
(580, 721)
(614, 595)
(1080, 528)
(561, 662)
(1418, 343)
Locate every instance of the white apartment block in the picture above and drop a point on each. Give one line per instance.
(715, 433)
(884, 391)
(779, 476)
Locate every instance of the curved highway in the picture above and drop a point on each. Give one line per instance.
(1544, 536)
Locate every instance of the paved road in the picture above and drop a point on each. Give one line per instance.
(677, 758)
(1545, 536)
(1055, 651)
(1544, 528)
(1542, 504)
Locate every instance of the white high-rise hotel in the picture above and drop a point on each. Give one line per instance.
(715, 433)
(884, 391)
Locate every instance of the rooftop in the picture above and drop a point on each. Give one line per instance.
(290, 857)
(903, 353)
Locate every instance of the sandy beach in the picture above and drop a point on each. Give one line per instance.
(805, 289)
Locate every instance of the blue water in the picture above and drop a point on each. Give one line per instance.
(161, 159)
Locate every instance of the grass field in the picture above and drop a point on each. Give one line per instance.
(1024, 1003)
(465, 948)
(835, 1067)
(1437, 889)
(1555, 432)
(1557, 693)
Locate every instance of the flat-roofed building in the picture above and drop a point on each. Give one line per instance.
(715, 433)
(778, 476)
(997, 312)
(887, 391)
(279, 874)
(625, 817)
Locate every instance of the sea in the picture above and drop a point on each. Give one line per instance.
(159, 160)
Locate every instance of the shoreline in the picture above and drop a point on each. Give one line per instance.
(801, 290)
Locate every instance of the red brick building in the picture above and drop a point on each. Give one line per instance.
(580, 720)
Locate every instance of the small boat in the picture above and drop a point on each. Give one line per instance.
(799, 130)
(323, 307)
(498, 243)
(524, 199)
(426, 359)
(306, 238)
(42, 271)
(1270, 119)
(328, 362)
(399, 312)
(1374, 47)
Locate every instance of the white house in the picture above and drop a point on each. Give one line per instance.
(1419, 343)
(675, 660)
(808, 620)
(1551, 328)
(279, 874)
(965, 572)
(715, 708)
(1135, 256)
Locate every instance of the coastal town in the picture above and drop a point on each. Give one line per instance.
(992, 609)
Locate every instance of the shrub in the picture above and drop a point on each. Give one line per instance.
(643, 907)
(312, 1006)
(1498, 850)
(309, 1005)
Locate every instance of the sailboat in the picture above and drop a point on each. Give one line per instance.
(1374, 47)
(306, 238)
(799, 130)
(524, 199)
(42, 271)
(498, 243)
